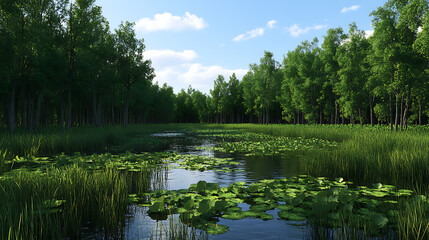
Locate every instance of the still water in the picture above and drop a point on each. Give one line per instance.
(140, 226)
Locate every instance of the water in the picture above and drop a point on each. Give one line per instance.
(139, 225)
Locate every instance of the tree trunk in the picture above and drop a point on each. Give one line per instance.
(396, 112)
(23, 109)
(336, 112)
(371, 110)
(38, 111)
(69, 108)
(11, 110)
(390, 112)
(360, 116)
(127, 98)
(61, 123)
(420, 112)
(404, 117)
(95, 116)
(30, 111)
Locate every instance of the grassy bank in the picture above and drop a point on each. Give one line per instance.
(57, 203)
(54, 141)
(365, 154)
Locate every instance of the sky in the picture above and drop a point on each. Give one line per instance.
(191, 42)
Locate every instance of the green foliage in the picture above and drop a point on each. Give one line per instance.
(250, 143)
(317, 200)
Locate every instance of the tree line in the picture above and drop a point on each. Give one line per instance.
(348, 78)
(60, 64)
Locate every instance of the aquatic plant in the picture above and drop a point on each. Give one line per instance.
(250, 143)
(319, 201)
(201, 163)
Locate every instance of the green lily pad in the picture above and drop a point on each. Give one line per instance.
(290, 216)
(216, 229)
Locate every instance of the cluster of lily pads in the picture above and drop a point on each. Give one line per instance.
(202, 163)
(302, 198)
(128, 162)
(248, 143)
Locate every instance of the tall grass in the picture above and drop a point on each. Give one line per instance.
(364, 154)
(57, 203)
(176, 229)
(53, 141)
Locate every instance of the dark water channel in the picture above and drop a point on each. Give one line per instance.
(139, 225)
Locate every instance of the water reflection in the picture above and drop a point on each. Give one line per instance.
(140, 225)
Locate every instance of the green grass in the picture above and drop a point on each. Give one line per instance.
(54, 198)
(57, 203)
(53, 141)
(364, 154)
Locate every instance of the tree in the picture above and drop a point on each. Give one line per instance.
(353, 74)
(130, 65)
(219, 98)
(267, 85)
(395, 64)
(304, 79)
(333, 40)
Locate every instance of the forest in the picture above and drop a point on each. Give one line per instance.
(61, 64)
(85, 151)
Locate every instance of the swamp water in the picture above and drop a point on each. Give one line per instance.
(251, 169)
(239, 185)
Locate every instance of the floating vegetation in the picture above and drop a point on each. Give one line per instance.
(202, 163)
(249, 143)
(317, 201)
(128, 162)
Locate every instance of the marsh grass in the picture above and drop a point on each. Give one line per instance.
(413, 222)
(176, 229)
(364, 154)
(54, 141)
(57, 203)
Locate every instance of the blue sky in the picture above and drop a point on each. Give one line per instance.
(190, 42)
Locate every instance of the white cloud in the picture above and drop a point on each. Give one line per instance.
(166, 57)
(202, 77)
(352, 8)
(369, 33)
(270, 24)
(295, 30)
(250, 34)
(179, 70)
(168, 22)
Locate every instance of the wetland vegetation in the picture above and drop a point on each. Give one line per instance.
(91, 147)
(46, 195)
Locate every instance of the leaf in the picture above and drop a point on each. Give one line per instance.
(216, 229)
(379, 220)
(157, 206)
(201, 186)
(290, 216)
(220, 205)
(189, 204)
(340, 179)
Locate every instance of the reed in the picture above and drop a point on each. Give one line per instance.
(57, 203)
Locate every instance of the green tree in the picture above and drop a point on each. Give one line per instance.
(130, 65)
(304, 79)
(353, 74)
(330, 46)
